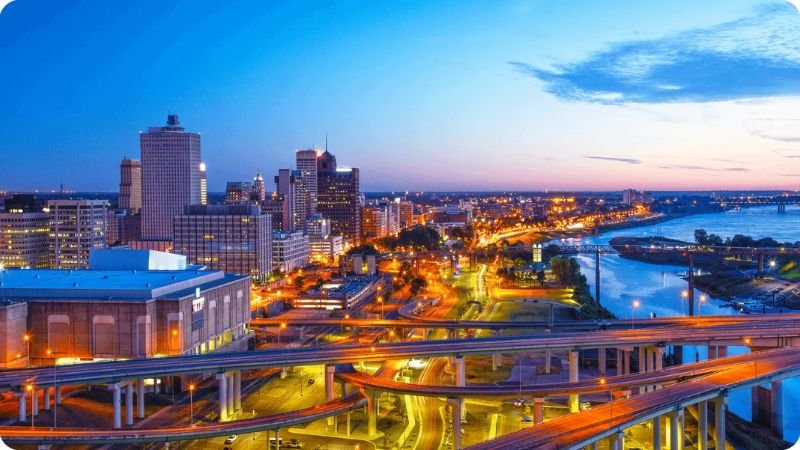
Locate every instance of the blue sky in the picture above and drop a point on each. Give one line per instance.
(421, 95)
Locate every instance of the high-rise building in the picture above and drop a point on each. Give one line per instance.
(374, 221)
(130, 185)
(277, 206)
(172, 175)
(76, 228)
(289, 250)
(231, 238)
(203, 184)
(307, 161)
(339, 197)
(259, 190)
(406, 213)
(238, 192)
(123, 227)
(290, 184)
(24, 238)
(317, 227)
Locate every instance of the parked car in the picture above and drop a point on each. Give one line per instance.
(231, 439)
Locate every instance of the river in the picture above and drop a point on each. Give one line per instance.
(659, 287)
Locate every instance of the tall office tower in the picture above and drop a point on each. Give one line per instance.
(277, 206)
(130, 185)
(76, 228)
(307, 165)
(24, 238)
(317, 227)
(290, 184)
(289, 250)
(339, 197)
(238, 192)
(374, 223)
(172, 177)
(123, 228)
(203, 184)
(231, 238)
(259, 191)
(406, 214)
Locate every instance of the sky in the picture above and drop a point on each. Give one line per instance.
(419, 94)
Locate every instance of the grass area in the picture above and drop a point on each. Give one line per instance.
(520, 311)
(479, 370)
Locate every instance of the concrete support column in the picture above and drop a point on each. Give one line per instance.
(455, 404)
(372, 413)
(642, 359)
(676, 430)
(601, 361)
(330, 370)
(573, 378)
(140, 398)
(57, 395)
(497, 361)
(237, 390)
(116, 404)
(616, 441)
(277, 439)
(547, 357)
(129, 403)
(657, 433)
(712, 352)
(702, 426)
(461, 371)
(626, 358)
(659, 358)
(23, 414)
(620, 366)
(222, 379)
(538, 410)
(776, 394)
(719, 418)
(231, 409)
(46, 397)
(722, 351)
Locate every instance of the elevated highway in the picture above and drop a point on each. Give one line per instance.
(574, 431)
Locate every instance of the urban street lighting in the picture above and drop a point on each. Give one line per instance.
(281, 327)
(31, 392)
(634, 305)
(380, 300)
(610, 397)
(27, 339)
(700, 302)
(191, 405)
(684, 295)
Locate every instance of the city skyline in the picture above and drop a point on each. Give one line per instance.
(450, 97)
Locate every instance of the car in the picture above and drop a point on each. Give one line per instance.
(522, 402)
(527, 419)
(585, 406)
(231, 439)
(293, 443)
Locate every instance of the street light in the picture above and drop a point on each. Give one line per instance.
(703, 298)
(191, 405)
(27, 339)
(31, 392)
(634, 305)
(380, 300)
(281, 327)
(684, 295)
(610, 397)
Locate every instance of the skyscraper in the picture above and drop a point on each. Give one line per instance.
(238, 192)
(171, 176)
(203, 184)
(24, 239)
(259, 191)
(130, 185)
(307, 165)
(339, 197)
(291, 185)
(231, 238)
(76, 228)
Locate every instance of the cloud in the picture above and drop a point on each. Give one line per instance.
(775, 137)
(703, 168)
(753, 57)
(614, 159)
(3, 4)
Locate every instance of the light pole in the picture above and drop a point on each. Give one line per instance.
(380, 300)
(700, 303)
(30, 390)
(684, 295)
(634, 305)
(281, 327)
(191, 405)
(610, 398)
(747, 342)
(55, 388)
(27, 339)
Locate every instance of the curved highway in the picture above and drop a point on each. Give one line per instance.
(577, 430)
(778, 331)
(73, 436)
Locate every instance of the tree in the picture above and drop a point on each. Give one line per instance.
(363, 249)
(299, 282)
(417, 285)
(540, 277)
(701, 237)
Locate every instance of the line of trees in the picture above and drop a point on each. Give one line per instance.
(701, 237)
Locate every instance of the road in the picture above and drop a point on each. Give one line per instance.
(580, 429)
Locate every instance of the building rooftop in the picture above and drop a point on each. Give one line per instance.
(104, 284)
